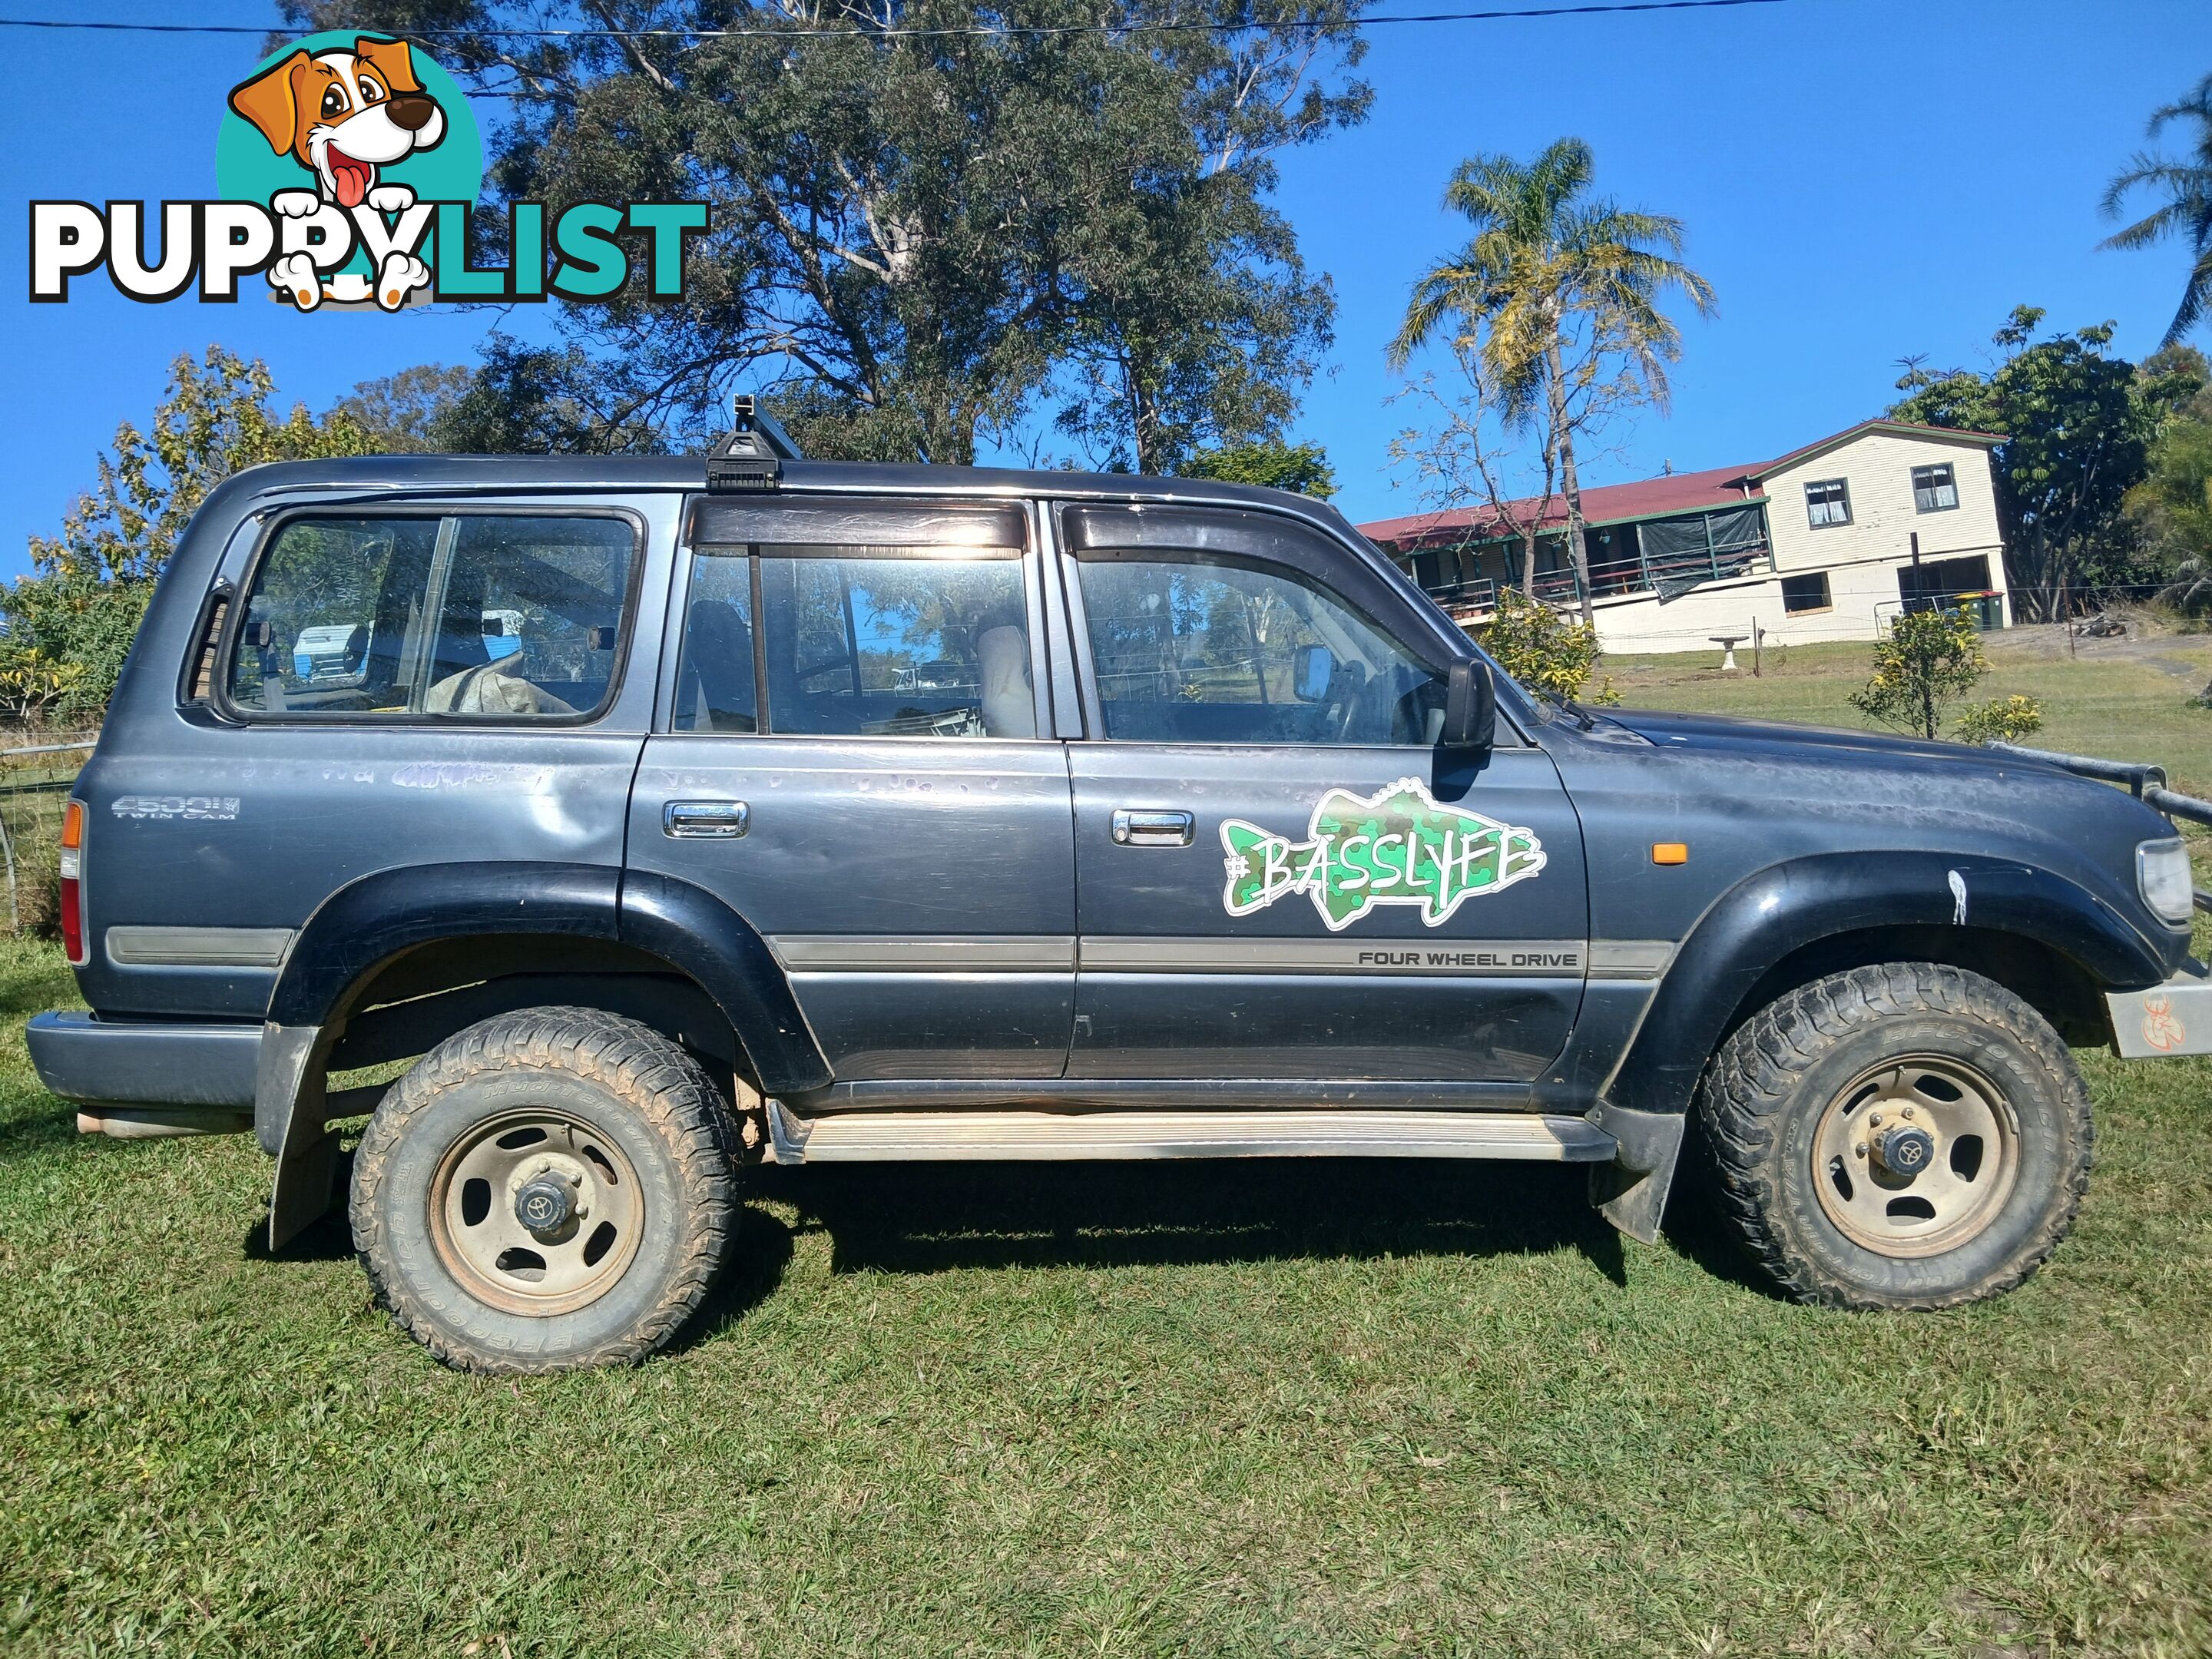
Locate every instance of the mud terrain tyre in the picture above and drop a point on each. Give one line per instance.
(547, 1190)
(1906, 1136)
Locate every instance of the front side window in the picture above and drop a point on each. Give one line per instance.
(506, 617)
(1827, 503)
(1934, 489)
(1186, 651)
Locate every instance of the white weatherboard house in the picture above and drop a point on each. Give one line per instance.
(1828, 543)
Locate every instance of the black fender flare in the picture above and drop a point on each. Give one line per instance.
(1801, 901)
(689, 926)
(368, 922)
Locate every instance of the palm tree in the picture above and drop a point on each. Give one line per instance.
(2187, 211)
(1550, 265)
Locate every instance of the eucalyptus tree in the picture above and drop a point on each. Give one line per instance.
(2185, 212)
(932, 220)
(1554, 275)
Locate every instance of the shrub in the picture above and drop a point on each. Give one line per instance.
(1542, 648)
(38, 878)
(2007, 719)
(1926, 659)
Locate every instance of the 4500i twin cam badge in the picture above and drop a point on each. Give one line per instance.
(1398, 846)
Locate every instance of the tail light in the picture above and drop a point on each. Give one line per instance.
(73, 882)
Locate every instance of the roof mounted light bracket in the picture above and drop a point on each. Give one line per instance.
(750, 461)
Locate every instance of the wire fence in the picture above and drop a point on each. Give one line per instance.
(36, 778)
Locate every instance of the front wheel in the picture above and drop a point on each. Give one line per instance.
(1906, 1136)
(547, 1190)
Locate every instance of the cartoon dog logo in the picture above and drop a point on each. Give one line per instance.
(343, 116)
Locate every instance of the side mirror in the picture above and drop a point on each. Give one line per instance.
(1470, 706)
(1312, 667)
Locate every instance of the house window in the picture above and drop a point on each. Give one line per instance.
(1806, 592)
(1827, 503)
(1942, 584)
(1934, 488)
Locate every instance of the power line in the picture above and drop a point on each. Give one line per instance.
(979, 31)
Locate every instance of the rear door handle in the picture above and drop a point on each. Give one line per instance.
(706, 820)
(1134, 827)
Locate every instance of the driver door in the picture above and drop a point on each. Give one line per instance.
(1278, 873)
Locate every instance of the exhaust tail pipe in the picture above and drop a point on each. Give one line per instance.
(133, 1123)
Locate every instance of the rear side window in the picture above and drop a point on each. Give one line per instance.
(498, 617)
(857, 641)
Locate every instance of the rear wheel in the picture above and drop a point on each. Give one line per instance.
(1905, 1136)
(550, 1189)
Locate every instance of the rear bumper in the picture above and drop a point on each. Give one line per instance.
(2172, 1018)
(106, 1062)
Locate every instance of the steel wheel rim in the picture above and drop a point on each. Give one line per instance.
(485, 1245)
(1950, 1198)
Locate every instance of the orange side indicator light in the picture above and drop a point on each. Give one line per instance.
(1670, 852)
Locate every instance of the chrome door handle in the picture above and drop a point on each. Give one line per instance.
(1133, 828)
(706, 820)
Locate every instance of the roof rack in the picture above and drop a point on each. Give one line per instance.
(751, 459)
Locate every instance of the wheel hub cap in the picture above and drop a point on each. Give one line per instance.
(1906, 1152)
(544, 1205)
(535, 1211)
(1915, 1155)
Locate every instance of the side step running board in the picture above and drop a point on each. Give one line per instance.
(852, 1137)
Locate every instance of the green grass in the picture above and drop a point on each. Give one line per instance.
(1300, 1408)
(2126, 699)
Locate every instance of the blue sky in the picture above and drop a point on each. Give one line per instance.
(1860, 180)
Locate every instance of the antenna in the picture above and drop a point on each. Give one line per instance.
(751, 459)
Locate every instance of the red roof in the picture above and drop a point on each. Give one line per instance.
(1677, 492)
(1647, 498)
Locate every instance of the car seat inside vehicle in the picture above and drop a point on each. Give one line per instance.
(1008, 701)
(715, 692)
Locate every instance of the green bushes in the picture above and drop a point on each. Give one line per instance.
(1927, 660)
(1542, 649)
(2004, 719)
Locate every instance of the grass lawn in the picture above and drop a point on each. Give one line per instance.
(1295, 1408)
(2126, 699)
(1305, 1408)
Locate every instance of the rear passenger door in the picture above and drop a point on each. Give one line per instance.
(1279, 874)
(847, 755)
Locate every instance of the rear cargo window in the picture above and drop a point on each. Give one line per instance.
(497, 616)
